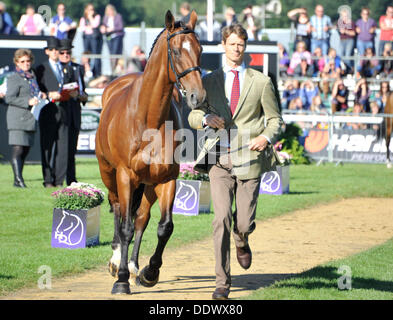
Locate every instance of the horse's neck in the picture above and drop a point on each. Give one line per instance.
(156, 88)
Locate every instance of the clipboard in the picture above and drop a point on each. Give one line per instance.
(36, 110)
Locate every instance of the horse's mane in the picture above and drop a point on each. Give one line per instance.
(178, 24)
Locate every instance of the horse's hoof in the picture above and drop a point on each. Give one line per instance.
(113, 269)
(121, 288)
(147, 278)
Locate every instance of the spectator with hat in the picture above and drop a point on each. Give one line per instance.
(52, 120)
(73, 73)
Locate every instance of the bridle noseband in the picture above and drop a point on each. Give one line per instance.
(178, 76)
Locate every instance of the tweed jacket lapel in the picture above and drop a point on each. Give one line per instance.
(248, 80)
(220, 92)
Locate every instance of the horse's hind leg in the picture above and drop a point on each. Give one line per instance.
(141, 220)
(166, 194)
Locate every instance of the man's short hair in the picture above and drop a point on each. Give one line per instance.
(236, 29)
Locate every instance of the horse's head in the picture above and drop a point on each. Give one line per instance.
(184, 54)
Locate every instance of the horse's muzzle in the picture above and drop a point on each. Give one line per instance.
(195, 98)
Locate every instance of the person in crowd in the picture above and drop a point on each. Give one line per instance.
(356, 110)
(85, 63)
(320, 30)
(137, 60)
(374, 108)
(92, 38)
(386, 66)
(283, 59)
(62, 26)
(325, 93)
(73, 73)
(296, 104)
(22, 94)
(31, 23)
(339, 96)
(333, 67)
(308, 90)
(53, 118)
(368, 67)
(7, 26)
(230, 18)
(113, 29)
(291, 91)
(362, 94)
(202, 30)
(238, 180)
(386, 26)
(302, 26)
(318, 61)
(185, 12)
(300, 53)
(347, 30)
(317, 105)
(381, 96)
(303, 69)
(250, 23)
(365, 30)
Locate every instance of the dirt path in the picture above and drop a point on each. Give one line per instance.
(281, 246)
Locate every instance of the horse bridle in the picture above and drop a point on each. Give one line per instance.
(178, 76)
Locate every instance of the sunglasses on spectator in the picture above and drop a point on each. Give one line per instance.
(65, 52)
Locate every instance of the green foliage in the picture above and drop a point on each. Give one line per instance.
(290, 144)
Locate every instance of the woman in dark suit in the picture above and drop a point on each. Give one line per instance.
(22, 94)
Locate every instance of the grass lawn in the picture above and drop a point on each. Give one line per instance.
(26, 216)
(367, 275)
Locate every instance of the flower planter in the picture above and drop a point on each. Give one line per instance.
(74, 229)
(192, 197)
(275, 182)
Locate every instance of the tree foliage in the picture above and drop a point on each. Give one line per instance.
(152, 12)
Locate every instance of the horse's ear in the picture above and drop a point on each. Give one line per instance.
(169, 21)
(193, 19)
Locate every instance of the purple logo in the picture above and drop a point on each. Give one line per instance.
(68, 229)
(187, 197)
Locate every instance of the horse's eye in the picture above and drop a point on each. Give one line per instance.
(176, 52)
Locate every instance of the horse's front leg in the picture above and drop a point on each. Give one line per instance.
(125, 229)
(141, 220)
(166, 195)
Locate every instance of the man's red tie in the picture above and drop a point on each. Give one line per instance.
(235, 94)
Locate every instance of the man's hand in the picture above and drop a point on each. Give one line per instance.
(214, 121)
(54, 95)
(258, 143)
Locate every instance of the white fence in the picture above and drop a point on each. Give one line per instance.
(343, 137)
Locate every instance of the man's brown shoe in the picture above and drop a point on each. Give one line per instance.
(244, 256)
(220, 294)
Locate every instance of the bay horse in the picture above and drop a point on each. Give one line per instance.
(135, 169)
(388, 127)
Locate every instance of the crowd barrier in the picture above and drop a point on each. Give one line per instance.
(342, 137)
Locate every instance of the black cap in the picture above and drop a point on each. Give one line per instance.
(65, 44)
(52, 43)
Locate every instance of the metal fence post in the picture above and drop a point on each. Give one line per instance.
(330, 131)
